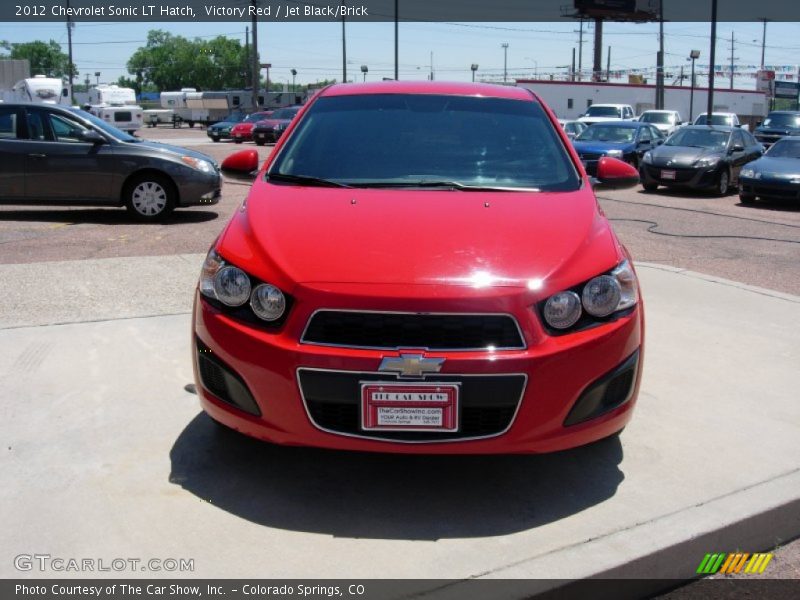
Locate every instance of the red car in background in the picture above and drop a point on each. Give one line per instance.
(270, 130)
(243, 131)
(421, 267)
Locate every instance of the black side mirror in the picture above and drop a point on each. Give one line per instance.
(737, 148)
(92, 137)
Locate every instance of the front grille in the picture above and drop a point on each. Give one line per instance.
(413, 330)
(682, 175)
(772, 191)
(488, 404)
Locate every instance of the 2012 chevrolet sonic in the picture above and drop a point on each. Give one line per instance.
(421, 267)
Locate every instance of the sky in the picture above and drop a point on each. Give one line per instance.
(534, 49)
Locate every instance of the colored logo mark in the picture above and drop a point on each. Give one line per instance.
(737, 562)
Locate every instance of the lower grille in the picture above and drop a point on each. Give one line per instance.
(681, 175)
(223, 382)
(413, 330)
(774, 192)
(488, 404)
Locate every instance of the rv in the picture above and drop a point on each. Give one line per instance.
(115, 105)
(39, 89)
(177, 103)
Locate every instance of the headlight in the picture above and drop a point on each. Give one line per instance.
(601, 296)
(198, 163)
(709, 161)
(232, 286)
(748, 172)
(648, 157)
(614, 153)
(268, 302)
(562, 310)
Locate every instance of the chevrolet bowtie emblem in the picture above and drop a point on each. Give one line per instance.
(411, 365)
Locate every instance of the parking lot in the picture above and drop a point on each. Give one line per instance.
(757, 245)
(97, 416)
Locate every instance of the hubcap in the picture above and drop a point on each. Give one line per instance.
(723, 183)
(149, 198)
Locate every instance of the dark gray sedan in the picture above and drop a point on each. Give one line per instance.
(63, 156)
(776, 175)
(700, 157)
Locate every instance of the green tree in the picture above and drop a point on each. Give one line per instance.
(171, 62)
(45, 58)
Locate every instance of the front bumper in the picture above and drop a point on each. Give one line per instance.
(685, 177)
(769, 188)
(198, 188)
(218, 134)
(538, 387)
(269, 136)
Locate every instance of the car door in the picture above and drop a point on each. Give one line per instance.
(60, 166)
(12, 153)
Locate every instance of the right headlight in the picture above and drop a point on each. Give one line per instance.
(747, 172)
(600, 297)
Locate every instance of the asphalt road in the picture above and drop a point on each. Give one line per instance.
(758, 245)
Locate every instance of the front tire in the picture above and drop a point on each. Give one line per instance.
(214, 138)
(722, 186)
(260, 142)
(746, 198)
(149, 197)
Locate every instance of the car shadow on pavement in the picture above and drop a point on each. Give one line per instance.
(100, 216)
(389, 496)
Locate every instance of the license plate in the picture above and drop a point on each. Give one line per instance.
(261, 136)
(389, 406)
(667, 174)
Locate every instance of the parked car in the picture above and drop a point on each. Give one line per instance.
(667, 121)
(726, 119)
(243, 131)
(572, 128)
(626, 140)
(269, 131)
(65, 156)
(700, 157)
(778, 124)
(776, 175)
(597, 113)
(222, 129)
(420, 267)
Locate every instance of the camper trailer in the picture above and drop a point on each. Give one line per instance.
(177, 103)
(39, 89)
(115, 105)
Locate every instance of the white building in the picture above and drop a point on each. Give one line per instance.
(569, 99)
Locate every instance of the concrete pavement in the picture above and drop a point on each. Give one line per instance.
(107, 456)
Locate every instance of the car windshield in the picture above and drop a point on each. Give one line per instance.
(661, 118)
(421, 140)
(715, 120)
(603, 111)
(255, 117)
(784, 149)
(782, 120)
(607, 133)
(105, 127)
(574, 127)
(233, 118)
(285, 113)
(700, 138)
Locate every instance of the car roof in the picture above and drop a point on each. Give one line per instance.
(713, 127)
(447, 88)
(620, 123)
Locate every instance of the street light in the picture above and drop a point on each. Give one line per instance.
(294, 74)
(504, 46)
(474, 68)
(97, 74)
(693, 56)
(364, 70)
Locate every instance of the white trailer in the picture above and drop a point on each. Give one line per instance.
(116, 105)
(570, 99)
(39, 89)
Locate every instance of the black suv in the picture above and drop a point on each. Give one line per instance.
(778, 124)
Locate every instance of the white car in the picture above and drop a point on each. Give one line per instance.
(667, 121)
(597, 113)
(727, 119)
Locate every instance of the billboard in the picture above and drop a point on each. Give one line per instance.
(765, 81)
(787, 89)
(620, 10)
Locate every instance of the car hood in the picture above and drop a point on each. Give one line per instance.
(680, 156)
(777, 168)
(544, 241)
(178, 151)
(601, 147)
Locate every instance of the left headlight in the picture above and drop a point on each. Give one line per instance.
(748, 172)
(198, 163)
(614, 153)
(708, 161)
(600, 297)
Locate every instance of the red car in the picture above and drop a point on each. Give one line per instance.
(243, 131)
(421, 267)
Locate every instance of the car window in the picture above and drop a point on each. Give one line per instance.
(644, 134)
(8, 123)
(37, 129)
(789, 120)
(66, 130)
(603, 111)
(738, 138)
(784, 149)
(607, 133)
(385, 140)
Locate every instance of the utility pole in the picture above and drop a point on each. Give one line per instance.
(711, 58)
(572, 71)
(608, 65)
(396, 39)
(733, 58)
(247, 55)
(580, 49)
(70, 70)
(763, 42)
(660, 62)
(344, 49)
(597, 67)
(431, 65)
(254, 65)
(504, 46)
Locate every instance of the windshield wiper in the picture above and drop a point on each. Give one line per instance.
(454, 185)
(306, 180)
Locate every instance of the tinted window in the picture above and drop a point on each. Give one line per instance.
(702, 138)
(724, 120)
(65, 130)
(644, 134)
(105, 127)
(782, 120)
(36, 127)
(407, 139)
(664, 118)
(607, 133)
(8, 123)
(285, 113)
(603, 111)
(784, 149)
